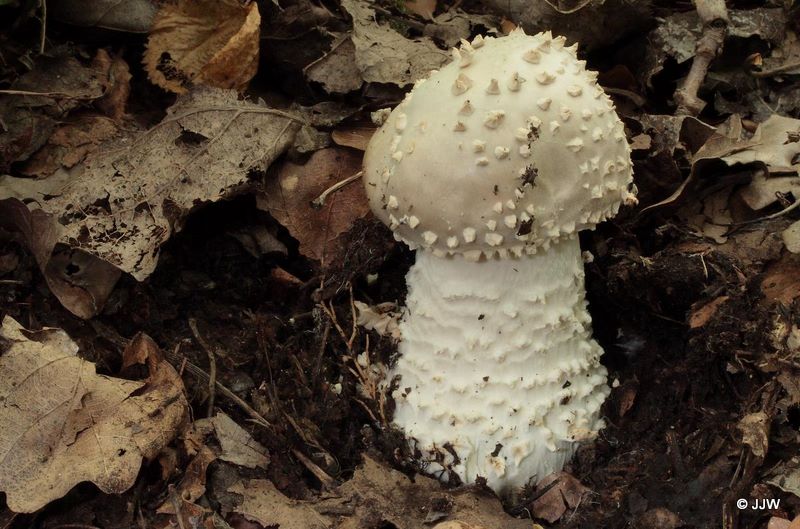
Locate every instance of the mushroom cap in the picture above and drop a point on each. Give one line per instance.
(511, 146)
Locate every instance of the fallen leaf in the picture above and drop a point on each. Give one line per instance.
(134, 16)
(677, 35)
(755, 432)
(786, 476)
(375, 491)
(337, 70)
(567, 493)
(238, 446)
(383, 319)
(265, 504)
(701, 314)
(209, 42)
(193, 482)
(784, 59)
(791, 237)
(385, 56)
(288, 197)
(129, 196)
(356, 137)
(65, 424)
(423, 8)
(781, 280)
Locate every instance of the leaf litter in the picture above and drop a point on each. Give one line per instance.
(694, 294)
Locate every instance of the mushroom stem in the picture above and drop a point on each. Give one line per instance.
(500, 376)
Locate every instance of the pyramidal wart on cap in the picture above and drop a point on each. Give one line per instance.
(489, 168)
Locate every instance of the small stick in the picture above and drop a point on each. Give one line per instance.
(320, 200)
(43, 33)
(714, 15)
(212, 365)
(327, 481)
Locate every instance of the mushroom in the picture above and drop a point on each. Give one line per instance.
(489, 168)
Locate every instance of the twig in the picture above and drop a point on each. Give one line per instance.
(327, 481)
(320, 200)
(41, 94)
(778, 69)
(176, 504)
(212, 365)
(714, 15)
(43, 33)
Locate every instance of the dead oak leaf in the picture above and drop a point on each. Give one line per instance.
(288, 197)
(64, 424)
(265, 504)
(193, 483)
(209, 42)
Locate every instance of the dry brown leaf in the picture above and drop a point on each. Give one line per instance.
(288, 197)
(238, 446)
(193, 482)
(423, 8)
(132, 194)
(64, 424)
(703, 313)
(567, 493)
(116, 86)
(385, 56)
(265, 504)
(376, 492)
(781, 281)
(755, 432)
(209, 42)
(356, 137)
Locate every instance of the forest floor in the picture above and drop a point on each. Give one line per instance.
(157, 227)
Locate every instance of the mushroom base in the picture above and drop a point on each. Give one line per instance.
(499, 374)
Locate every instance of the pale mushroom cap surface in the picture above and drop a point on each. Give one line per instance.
(510, 147)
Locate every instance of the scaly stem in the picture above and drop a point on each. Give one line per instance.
(498, 365)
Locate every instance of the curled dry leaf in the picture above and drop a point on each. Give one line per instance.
(288, 197)
(337, 70)
(209, 42)
(356, 137)
(423, 8)
(130, 195)
(193, 482)
(385, 56)
(64, 424)
(755, 432)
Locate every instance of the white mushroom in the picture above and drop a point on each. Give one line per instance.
(499, 374)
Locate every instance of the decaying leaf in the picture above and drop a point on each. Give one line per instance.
(265, 504)
(701, 314)
(385, 56)
(423, 8)
(567, 493)
(755, 432)
(193, 482)
(791, 236)
(591, 23)
(128, 197)
(356, 137)
(383, 319)
(376, 493)
(677, 35)
(64, 424)
(784, 59)
(238, 446)
(288, 197)
(29, 120)
(208, 42)
(135, 16)
(337, 70)
(781, 281)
